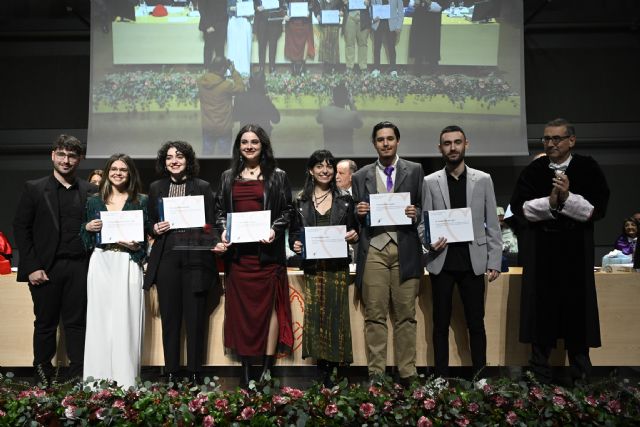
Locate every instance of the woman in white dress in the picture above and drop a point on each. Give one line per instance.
(239, 38)
(115, 299)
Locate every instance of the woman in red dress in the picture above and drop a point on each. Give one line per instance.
(257, 310)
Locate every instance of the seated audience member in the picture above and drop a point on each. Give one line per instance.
(626, 243)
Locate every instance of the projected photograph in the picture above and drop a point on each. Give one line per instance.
(314, 74)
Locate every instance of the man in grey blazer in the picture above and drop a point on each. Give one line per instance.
(389, 267)
(464, 263)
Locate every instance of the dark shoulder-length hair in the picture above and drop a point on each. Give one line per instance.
(183, 147)
(134, 185)
(316, 157)
(267, 161)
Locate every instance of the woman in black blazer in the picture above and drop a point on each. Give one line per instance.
(327, 328)
(257, 307)
(183, 277)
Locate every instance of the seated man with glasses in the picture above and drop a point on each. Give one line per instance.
(52, 258)
(560, 195)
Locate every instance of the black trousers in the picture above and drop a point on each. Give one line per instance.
(214, 44)
(388, 37)
(268, 36)
(471, 288)
(63, 297)
(579, 361)
(176, 273)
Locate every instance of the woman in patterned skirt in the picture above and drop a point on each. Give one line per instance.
(327, 329)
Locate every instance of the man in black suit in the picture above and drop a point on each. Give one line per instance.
(53, 259)
(389, 263)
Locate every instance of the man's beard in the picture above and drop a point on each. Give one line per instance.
(455, 162)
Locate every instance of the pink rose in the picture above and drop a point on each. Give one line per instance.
(511, 418)
(559, 401)
(537, 393)
(330, 410)
(456, 403)
(424, 422)
(2, 413)
(473, 407)
(499, 400)
(614, 406)
(462, 422)
(325, 392)
(195, 404)
(70, 412)
(487, 389)
(222, 404)
(558, 390)
(418, 394)
(429, 404)
(247, 413)
(591, 401)
(293, 392)
(208, 421)
(68, 400)
(367, 409)
(173, 393)
(518, 404)
(374, 391)
(388, 406)
(280, 400)
(119, 404)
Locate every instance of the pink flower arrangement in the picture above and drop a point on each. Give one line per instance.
(119, 404)
(70, 412)
(280, 400)
(293, 392)
(247, 413)
(208, 421)
(221, 404)
(511, 418)
(559, 401)
(429, 404)
(473, 407)
(463, 422)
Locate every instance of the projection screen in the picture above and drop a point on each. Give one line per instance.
(456, 63)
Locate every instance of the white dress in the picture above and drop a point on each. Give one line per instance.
(115, 318)
(239, 40)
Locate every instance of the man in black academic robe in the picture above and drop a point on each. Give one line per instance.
(560, 195)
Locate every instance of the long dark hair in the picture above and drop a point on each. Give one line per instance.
(183, 147)
(316, 157)
(267, 161)
(134, 185)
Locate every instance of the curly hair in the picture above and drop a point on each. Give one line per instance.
(182, 147)
(316, 157)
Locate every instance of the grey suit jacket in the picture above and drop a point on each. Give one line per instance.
(486, 249)
(408, 179)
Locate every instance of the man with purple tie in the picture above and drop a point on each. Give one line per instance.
(389, 265)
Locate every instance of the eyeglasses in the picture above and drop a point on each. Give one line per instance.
(70, 156)
(555, 139)
(121, 170)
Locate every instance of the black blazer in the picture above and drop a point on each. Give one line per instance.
(277, 199)
(409, 177)
(342, 213)
(36, 226)
(204, 259)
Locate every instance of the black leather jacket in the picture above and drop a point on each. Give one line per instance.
(277, 199)
(342, 213)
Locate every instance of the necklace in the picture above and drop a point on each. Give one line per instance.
(318, 200)
(252, 170)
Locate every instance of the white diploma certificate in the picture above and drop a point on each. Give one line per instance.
(382, 11)
(330, 16)
(455, 225)
(119, 226)
(388, 209)
(270, 4)
(356, 5)
(184, 212)
(244, 227)
(244, 8)
(325, 242)
(299, 9)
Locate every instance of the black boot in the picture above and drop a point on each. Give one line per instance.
(267, 366)
(245, 373)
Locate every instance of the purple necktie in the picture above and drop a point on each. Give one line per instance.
(388, 171)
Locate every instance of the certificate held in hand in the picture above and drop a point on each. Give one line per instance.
(121, 226)
(184, 212)
(325, 242)
(244, 227)
(455, 225)
(388, 209)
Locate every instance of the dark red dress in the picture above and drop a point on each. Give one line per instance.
(252, 290)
